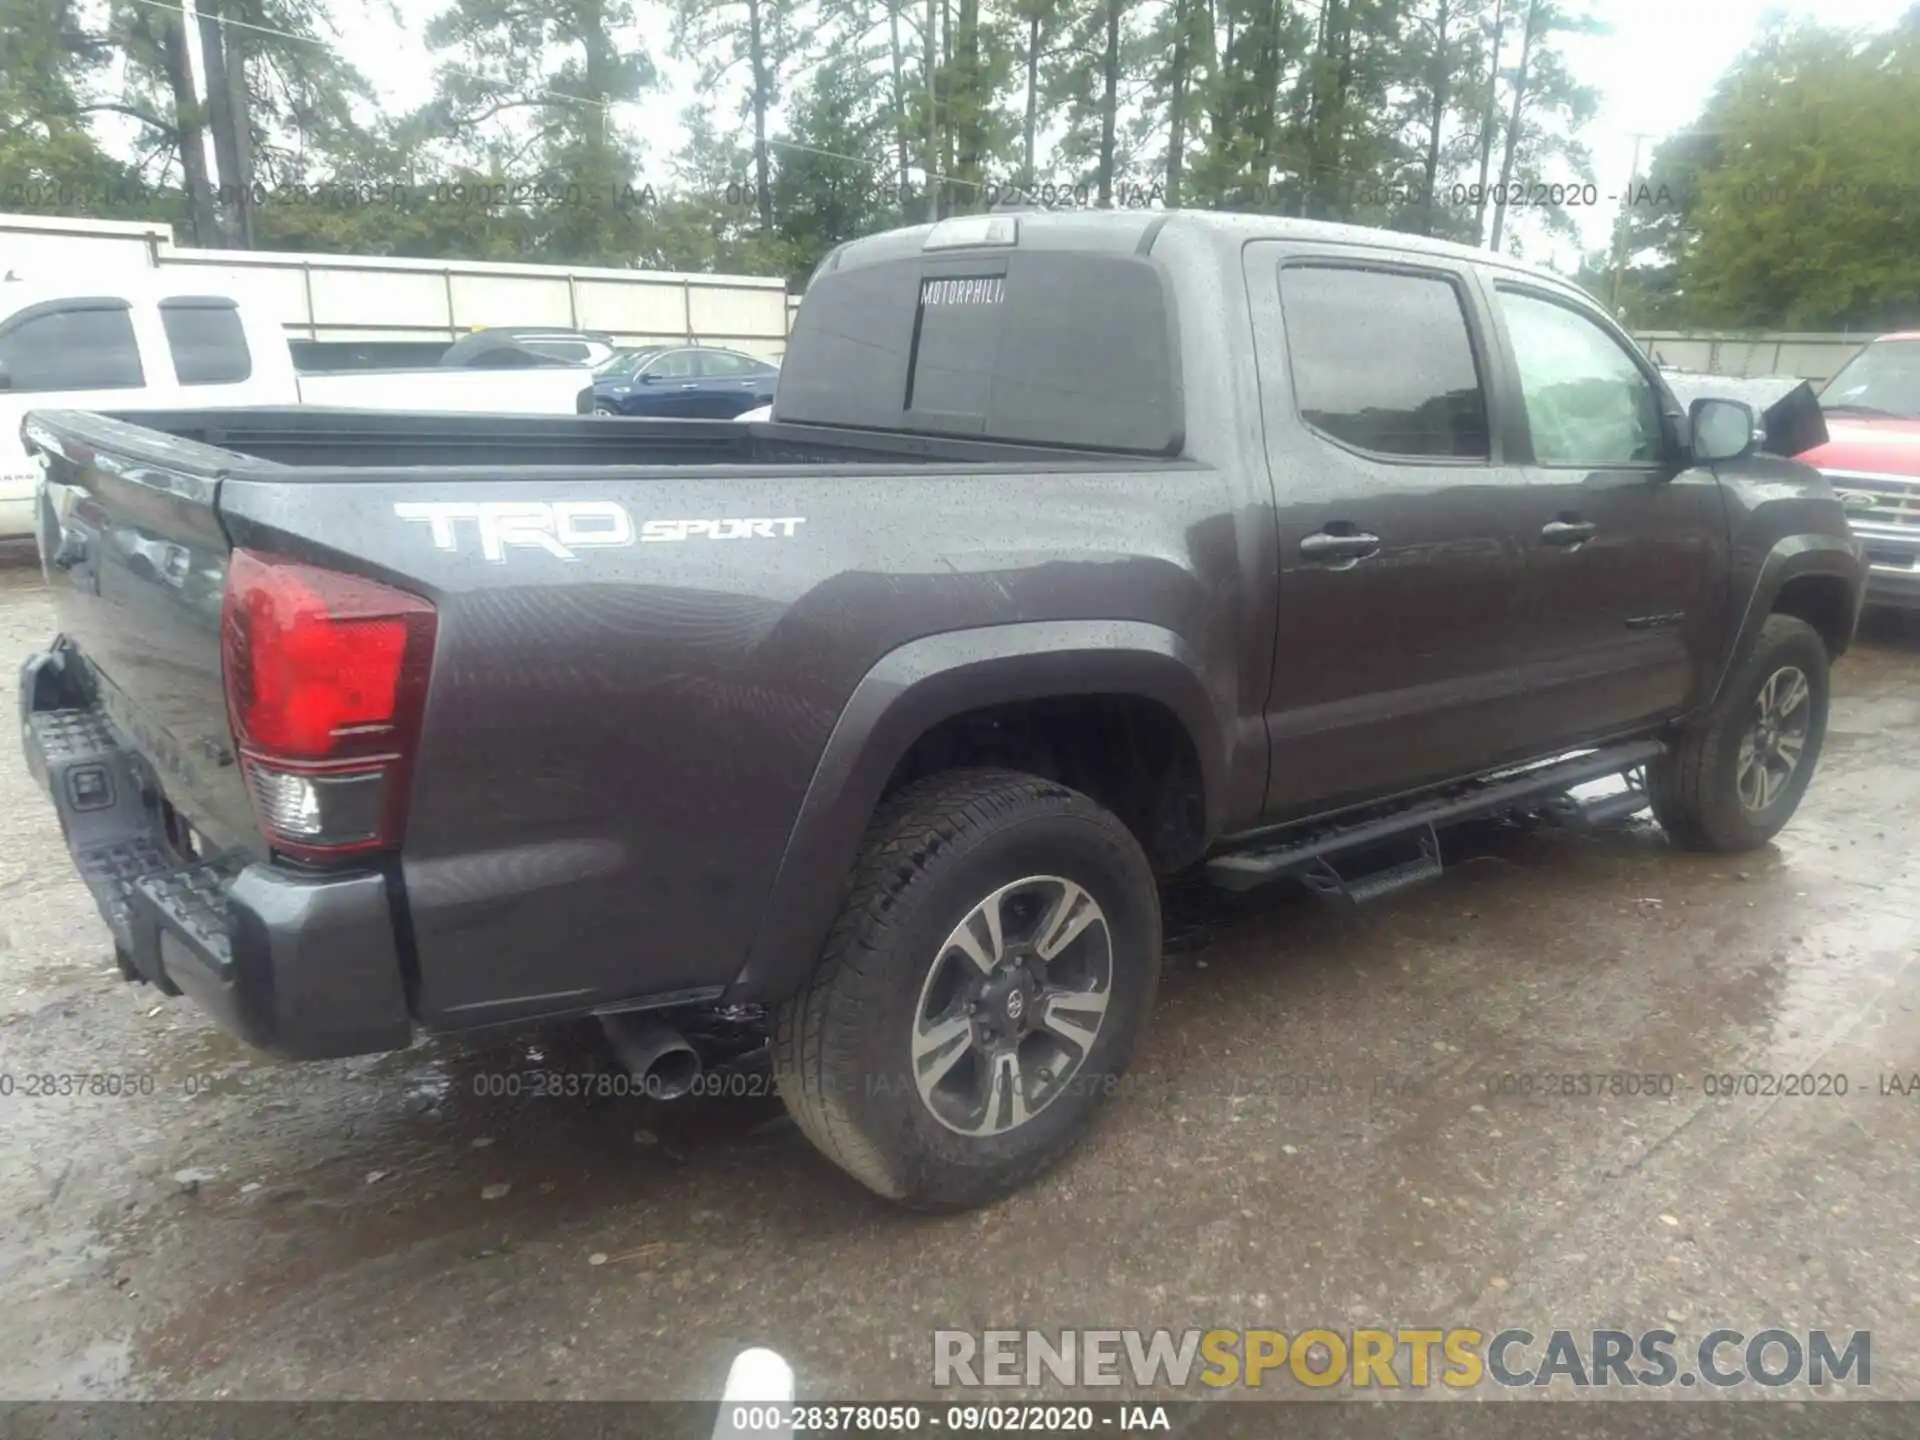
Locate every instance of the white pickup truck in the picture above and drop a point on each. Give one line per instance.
(163, 342)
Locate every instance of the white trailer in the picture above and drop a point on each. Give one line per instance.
(381, 298)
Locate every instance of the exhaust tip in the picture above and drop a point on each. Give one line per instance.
(673, 1074)
(656, 1055)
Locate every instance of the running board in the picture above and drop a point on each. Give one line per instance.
(1328, 883)
(1306, 852)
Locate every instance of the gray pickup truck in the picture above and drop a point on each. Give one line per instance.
(1081, 551)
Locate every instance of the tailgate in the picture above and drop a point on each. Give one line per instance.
(137, 559)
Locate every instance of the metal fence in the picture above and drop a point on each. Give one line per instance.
(338, 297)
(1805, 354)
(381, 298)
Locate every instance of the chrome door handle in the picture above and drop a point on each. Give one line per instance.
(1568, 532)
(1327, 546)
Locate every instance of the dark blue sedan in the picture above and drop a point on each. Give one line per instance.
(682, 381)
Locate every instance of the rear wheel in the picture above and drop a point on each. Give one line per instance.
(1731, 782)
(981, 991)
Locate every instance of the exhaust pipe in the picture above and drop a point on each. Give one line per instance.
(657, 1055)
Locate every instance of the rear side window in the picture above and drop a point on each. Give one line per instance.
(209, 347)
(1384, 361)
(724, 363)
(72, 347)
(675, 365)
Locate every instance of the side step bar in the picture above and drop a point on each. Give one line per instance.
(1329, 884)
(1307, 853)
(1603, 811)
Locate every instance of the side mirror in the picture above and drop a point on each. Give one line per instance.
(649, 377)
(1723, 430)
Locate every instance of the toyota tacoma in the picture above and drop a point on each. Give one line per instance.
(1079, 552)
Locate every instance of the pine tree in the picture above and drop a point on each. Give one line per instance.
(525, 103)
(731, 36)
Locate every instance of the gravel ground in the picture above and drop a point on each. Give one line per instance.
(377, 1228)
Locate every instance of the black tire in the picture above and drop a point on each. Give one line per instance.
(1695, 786)
(842, 1046)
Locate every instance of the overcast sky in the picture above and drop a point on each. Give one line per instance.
(1654, 72)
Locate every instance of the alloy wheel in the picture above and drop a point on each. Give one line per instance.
(1771, 748)
(1011, 1005)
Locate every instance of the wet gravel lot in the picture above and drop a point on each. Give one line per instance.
(1315, 1135)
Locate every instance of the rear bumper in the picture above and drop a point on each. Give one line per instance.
(302, 966)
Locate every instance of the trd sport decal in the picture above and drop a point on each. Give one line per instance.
(564, 526)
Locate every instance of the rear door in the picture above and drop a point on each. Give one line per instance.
(730, 384)
(1396, 656)
(668, 384)
(1626, 550)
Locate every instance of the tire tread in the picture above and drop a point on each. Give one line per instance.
(1682, 786)
(817, 1031)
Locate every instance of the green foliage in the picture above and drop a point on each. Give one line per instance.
(1801, 216)
(1791, 203)
(306, 99)
(1658, 210)
(833, 176)
(48, 156)
(520, 143)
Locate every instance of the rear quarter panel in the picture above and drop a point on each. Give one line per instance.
(616, 746)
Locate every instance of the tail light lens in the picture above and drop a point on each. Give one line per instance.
(326, 677)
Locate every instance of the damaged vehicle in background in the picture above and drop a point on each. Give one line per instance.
(1081, 551)
(1872, 409)
(1862, 431)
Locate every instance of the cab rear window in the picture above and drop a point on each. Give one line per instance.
(1042, 347)
(207, 341)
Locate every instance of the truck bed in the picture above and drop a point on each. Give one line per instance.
(701, 596)
(322, 438)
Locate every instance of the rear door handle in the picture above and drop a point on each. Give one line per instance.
(1568, 532)
(1324, 545)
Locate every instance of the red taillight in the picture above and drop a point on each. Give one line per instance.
(326, 675)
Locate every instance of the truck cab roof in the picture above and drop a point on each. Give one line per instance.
(1068, 328)
(1138, 230)
(147, 287)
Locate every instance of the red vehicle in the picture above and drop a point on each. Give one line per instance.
(1872, 409)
